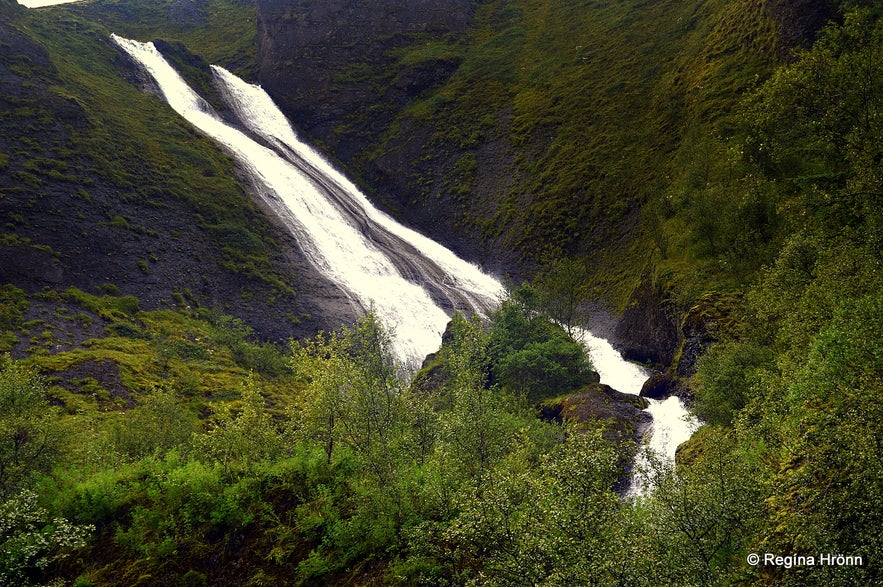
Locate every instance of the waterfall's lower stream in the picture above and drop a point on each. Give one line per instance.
(672, 424)
(412, 283)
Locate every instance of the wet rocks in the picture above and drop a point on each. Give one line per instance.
(623, 413)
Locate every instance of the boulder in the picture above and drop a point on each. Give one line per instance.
(659, 386)
(624, 413)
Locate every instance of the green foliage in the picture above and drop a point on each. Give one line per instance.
(564, 292)
(267, 359)
(531, 355)
(478, 424)
(30, 436)
(815, 126)
(327, 467)
(356, 399)
(725, 377)
(31, 541)
(795, 383)
(703, 515)
(160, 424)
(550, 525)
(180, 500)
(243, 437)
(829, 489)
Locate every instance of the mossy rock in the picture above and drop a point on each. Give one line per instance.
(623, 413)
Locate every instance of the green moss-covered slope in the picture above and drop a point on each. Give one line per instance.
(102, 183)
(541, 129)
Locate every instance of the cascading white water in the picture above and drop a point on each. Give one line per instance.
(672, 423)
(411, 282)
(460, 280)
(317, 210)
(43, 3)
(672, 426)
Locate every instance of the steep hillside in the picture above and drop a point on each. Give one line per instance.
(711, 169)
(103, 188)
(523, 132)
(520, 131)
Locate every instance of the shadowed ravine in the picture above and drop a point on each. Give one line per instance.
(412, 283)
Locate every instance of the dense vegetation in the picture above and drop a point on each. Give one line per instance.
(319, 463)
(194, 454)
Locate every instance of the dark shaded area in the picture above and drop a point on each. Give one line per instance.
(799, 21)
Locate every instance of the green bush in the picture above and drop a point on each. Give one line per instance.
(31, 540)
(160, 424)
(531, 355)
(829, 491)
(127, 330)
(266, 359)
(725, 376)
(30, 434)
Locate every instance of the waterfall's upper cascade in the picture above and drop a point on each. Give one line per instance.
(412, 283)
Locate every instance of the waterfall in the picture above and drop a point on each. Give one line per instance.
(672, 426)
(672, 423)
(412, 283)
(44, 3)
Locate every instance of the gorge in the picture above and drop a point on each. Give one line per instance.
(411, 283)
(224, 360)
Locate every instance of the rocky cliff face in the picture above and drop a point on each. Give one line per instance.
(337, 69)
(314, 56)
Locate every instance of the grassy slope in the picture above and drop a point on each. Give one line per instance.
(220, 31)
(596, 100)
(133, 149)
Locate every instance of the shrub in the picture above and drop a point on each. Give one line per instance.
(530, 354)
(725, 376)
(30, 541)
(30, 437)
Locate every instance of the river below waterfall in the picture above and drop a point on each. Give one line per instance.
(412, 283)
(672, 423)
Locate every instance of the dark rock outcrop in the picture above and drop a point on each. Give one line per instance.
(314, 54)
(703, 325)
(601, 403)
(647, 330)
(659, 386)
(799, 21)
(707, 321)
(622, 415)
